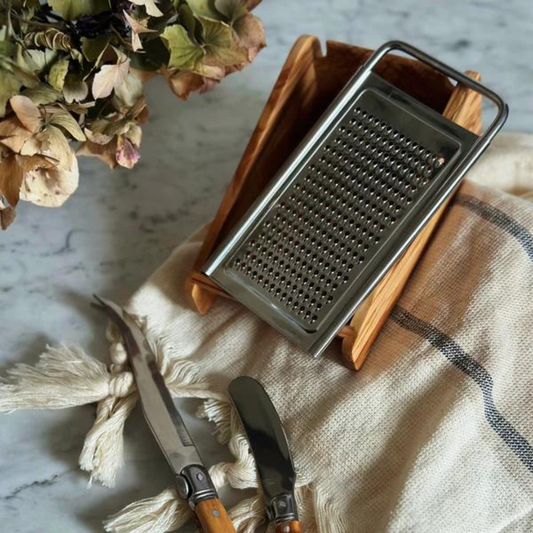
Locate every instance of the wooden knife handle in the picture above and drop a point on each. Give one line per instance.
(213, 517)
(292, 526)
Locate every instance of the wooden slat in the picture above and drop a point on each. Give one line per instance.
(464, 108)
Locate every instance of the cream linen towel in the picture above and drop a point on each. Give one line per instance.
(435, 434)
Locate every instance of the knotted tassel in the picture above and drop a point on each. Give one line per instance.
(103, 450)
(63, 377)
(164, 512)
(248, 514)
(66, 377)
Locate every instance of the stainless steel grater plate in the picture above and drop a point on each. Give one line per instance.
(346, 205)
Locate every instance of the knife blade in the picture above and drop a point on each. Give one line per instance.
(271, 451)
(192, 479)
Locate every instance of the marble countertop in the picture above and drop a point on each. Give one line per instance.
(119, 226)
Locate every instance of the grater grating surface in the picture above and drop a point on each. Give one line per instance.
(325, 229)
(346, 205)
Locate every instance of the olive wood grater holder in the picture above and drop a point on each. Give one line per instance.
(307, 84)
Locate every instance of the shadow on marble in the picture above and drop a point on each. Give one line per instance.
(27, 354)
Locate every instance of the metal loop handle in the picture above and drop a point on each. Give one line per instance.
(503, 108)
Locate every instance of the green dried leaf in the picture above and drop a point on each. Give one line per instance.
(221, 45)
(66, 121)
(39, 61)
(58, 73)
(7, 49)
(43, 94)
(204, 8)
(189, 22)
(75, 89)
(9, 86)
(184, 54)
(231, 9)
(74, 9)
(94, 49)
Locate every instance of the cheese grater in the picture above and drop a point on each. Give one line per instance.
(347, 204)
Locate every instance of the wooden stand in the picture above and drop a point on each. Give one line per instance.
(307, 84)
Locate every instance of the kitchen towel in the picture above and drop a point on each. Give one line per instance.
(435, 433)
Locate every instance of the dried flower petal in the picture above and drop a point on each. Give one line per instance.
(75, 91)
(7, 216)
(104, 152)
(15, 136)
(138, 27)
(11, 175)
(50, 187)
(127, 154)
(184, 83)
(27, 112)
(251, 34)
(109, 77)
(128, 93)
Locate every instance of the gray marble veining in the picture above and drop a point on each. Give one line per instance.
(120, 225)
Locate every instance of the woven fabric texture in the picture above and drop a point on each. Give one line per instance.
(435, 433)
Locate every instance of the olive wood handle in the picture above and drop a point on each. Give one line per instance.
(213, 517)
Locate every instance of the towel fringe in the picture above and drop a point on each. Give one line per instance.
(66, 377)
(164, 512)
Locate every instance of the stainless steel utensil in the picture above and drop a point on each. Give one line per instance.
(347, 204)
(192, 479)
(271, 451)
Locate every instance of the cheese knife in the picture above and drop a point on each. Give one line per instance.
(270, 448)
(192, 480)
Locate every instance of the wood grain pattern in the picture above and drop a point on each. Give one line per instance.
(213, 517)
(307, 84)
(289, 527)
(464, 108)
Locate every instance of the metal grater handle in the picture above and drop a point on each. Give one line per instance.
(503, 109)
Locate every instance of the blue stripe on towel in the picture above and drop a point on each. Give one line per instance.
(456, 355)
(500, 219)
